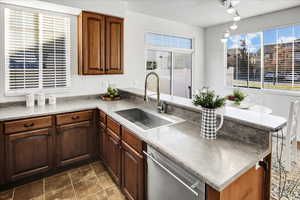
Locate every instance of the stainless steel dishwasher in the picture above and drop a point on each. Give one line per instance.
(168, 181)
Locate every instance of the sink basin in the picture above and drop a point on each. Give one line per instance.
(143, 119)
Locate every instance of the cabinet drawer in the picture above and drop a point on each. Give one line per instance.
(132, 140)
(27, 124)
(102, 116)
(113, 125)
(74, 117)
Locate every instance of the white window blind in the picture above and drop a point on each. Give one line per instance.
(37, 50)
(268, 59)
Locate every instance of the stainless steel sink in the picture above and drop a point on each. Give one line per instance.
(142, 118)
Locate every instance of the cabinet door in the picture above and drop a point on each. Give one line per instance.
(132, 173)
(28, 153)
(114, 45)
(92, 44)
(113, 155)
(101, 140)
(74, 143)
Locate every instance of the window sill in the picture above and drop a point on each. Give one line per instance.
(268, 91)
(35, 91)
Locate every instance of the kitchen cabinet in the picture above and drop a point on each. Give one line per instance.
(132, 166)
(91, 43)
(114, 45)
(28, 153)
(253, 184)
(112, 154)
(73, 143)
(101, 133)
(100, 44)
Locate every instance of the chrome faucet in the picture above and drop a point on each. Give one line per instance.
(160, 104)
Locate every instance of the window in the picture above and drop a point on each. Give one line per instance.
(37, 51)
(170, 57)
(266, 60)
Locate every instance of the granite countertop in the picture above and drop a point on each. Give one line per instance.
(262, 121)
(218, 162)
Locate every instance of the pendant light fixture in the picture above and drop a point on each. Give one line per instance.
(231, 9)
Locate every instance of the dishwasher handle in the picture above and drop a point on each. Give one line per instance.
(173, 175)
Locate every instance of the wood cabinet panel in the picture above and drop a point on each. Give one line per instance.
(27, 124)
(74, 143)
(28, 153)
(101, 140)
(74, 117)
(114, 45)
(102, 117)
(132, 140)
(249, 186)
(132, 173)
(113, 155)
(113, 126)
(91, 36)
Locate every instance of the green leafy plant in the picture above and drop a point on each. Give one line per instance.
(237, 96)
(208, 99)
(112, 92)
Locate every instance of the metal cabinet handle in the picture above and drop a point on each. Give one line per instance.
(29, 125)
(173, 175)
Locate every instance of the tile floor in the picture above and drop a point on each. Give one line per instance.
(92, 182)
(89, 182)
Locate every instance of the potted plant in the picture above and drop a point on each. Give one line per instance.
(237, 97)
(209, 103)
(111, 95)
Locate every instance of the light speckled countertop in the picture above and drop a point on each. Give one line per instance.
(263, 121)
(218, 162)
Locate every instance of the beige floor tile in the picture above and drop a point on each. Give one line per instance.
(98, 196)
(98, 168)
(105, 180)
(81, 173)
(56, 182)
(34, 191)
(67, 193)
(114, 193)
(6, 195)
(87, 187)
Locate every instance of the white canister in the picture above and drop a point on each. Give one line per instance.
(29, 100)
(52, 99)
(41, 99)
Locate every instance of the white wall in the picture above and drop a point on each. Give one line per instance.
(136, 25)
(214, 56)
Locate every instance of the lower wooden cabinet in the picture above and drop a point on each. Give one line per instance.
(28, 153)
(74, 143)
(132, 173)
(112, 155)
(101, 133)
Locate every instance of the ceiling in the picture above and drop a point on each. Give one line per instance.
(206, 13)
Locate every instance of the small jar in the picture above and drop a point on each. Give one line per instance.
(29, 100)
(52, 99)
(41, 99)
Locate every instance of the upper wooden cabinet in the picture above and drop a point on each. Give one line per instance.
(100, 44)
(114, 45)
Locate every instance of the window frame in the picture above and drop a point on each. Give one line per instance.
(172, 50)
(20, 92)
(262, 89)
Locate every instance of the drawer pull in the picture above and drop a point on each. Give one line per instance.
(75, 117)
(29, 125)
